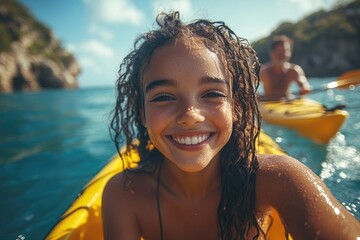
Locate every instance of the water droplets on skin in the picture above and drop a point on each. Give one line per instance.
(328, 201)
(323, 196)
(306, 224)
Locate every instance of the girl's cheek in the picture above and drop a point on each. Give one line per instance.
(157, 114)
(152, 139)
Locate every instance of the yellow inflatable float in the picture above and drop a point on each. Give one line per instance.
(83, 219)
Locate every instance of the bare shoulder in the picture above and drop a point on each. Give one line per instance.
(272, 162)
(273, 170)
(265, 72)
(129, 185)
(123, 197)
(296, 69)
(272, 165)
(305, 204)
(265, 68)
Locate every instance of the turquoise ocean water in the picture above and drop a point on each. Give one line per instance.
(53, 142)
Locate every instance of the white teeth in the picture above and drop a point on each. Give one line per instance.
(191, 140)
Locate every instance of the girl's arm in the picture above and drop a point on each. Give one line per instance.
(305, 204)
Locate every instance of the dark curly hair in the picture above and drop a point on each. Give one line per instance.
(236, 211)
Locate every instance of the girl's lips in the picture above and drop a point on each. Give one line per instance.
(190, 140)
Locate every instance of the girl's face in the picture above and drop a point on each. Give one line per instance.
(188, 105)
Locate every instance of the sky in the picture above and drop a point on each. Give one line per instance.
(100, 33)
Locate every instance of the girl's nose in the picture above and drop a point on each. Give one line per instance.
(189, 116)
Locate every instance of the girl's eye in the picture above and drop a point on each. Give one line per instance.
(162, 98)
(214, 94)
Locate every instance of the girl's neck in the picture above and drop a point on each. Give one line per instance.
(192, 186)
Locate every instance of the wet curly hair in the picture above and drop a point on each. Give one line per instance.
(236, 211)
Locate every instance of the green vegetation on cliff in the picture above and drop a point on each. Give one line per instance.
(31, 57)
(16, 21)
(326, 43)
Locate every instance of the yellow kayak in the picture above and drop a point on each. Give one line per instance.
(83, 219)
(307, 117)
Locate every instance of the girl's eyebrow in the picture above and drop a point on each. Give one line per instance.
(208, 79)
(169, 82)
(159, 82)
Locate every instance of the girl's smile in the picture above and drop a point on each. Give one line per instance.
(187, 110)
(191, 140)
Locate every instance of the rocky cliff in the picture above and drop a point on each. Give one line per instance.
(31, 58)
(326, 43)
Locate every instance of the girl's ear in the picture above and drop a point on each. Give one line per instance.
(143, 118)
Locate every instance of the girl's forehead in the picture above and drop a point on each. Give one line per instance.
(184, 60)
(185, 47)
(191, 45)
(184, 53)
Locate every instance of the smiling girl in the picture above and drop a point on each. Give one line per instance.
(186, 103)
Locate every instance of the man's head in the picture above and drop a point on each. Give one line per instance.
(281, 48)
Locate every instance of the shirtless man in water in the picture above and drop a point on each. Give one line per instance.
(279, 73)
